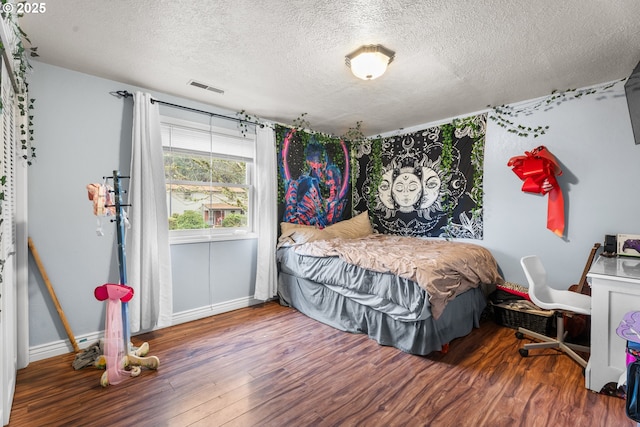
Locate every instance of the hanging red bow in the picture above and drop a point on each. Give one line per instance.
(538, 169)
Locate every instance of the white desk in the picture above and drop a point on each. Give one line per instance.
(615, 291)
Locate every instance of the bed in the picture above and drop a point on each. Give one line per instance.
(411, 293)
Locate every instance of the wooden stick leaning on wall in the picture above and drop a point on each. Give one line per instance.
(43, 273)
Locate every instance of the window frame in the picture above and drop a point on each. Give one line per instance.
(226, 137)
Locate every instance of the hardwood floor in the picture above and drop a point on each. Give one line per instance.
(269, 365)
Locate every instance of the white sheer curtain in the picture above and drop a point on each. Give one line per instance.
(147, 250)
(267, 217)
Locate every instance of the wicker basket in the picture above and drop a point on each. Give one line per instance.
(524, 314)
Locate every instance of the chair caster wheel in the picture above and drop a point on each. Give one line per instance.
(519, 335)
(523, 352)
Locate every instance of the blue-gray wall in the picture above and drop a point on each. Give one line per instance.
(82, 133)
(592, 139)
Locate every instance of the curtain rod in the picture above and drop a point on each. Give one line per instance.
(126, 94)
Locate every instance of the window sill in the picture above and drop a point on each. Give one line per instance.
(217, 237)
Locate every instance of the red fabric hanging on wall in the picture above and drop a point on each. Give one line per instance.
(538, 169)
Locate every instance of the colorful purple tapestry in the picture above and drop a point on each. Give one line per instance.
(314, 186)
(427, 183)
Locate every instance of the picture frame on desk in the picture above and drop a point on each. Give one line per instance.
(628, 245)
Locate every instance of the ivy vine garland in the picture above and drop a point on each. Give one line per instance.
(446, 160)
(26, 131)
(376, 169)
(504, 115)
(477, 160)
(25, 105)
(477, 135)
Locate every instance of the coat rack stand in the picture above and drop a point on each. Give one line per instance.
(135, 357)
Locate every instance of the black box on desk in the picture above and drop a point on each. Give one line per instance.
(524, 314)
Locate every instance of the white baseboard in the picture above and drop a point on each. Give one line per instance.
(57, 348)
(211, 310)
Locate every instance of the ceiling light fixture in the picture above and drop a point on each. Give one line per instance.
(369, 62)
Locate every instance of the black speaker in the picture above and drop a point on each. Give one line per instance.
(610, 243)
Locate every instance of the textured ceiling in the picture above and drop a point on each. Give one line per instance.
(279, 59)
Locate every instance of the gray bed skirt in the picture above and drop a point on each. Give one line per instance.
(420, 337)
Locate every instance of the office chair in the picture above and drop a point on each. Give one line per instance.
(548, 298)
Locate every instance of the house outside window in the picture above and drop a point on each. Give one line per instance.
(209, 176)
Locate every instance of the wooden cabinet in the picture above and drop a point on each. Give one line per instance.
(615, 291)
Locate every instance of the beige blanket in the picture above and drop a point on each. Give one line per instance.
(444, 269)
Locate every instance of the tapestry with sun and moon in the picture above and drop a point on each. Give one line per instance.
(427, 183)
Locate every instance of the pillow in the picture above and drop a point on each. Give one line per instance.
(297, 234)
(358, 226)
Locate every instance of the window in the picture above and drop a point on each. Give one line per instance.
(209, 174)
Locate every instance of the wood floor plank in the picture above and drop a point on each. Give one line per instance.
(269, 365)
